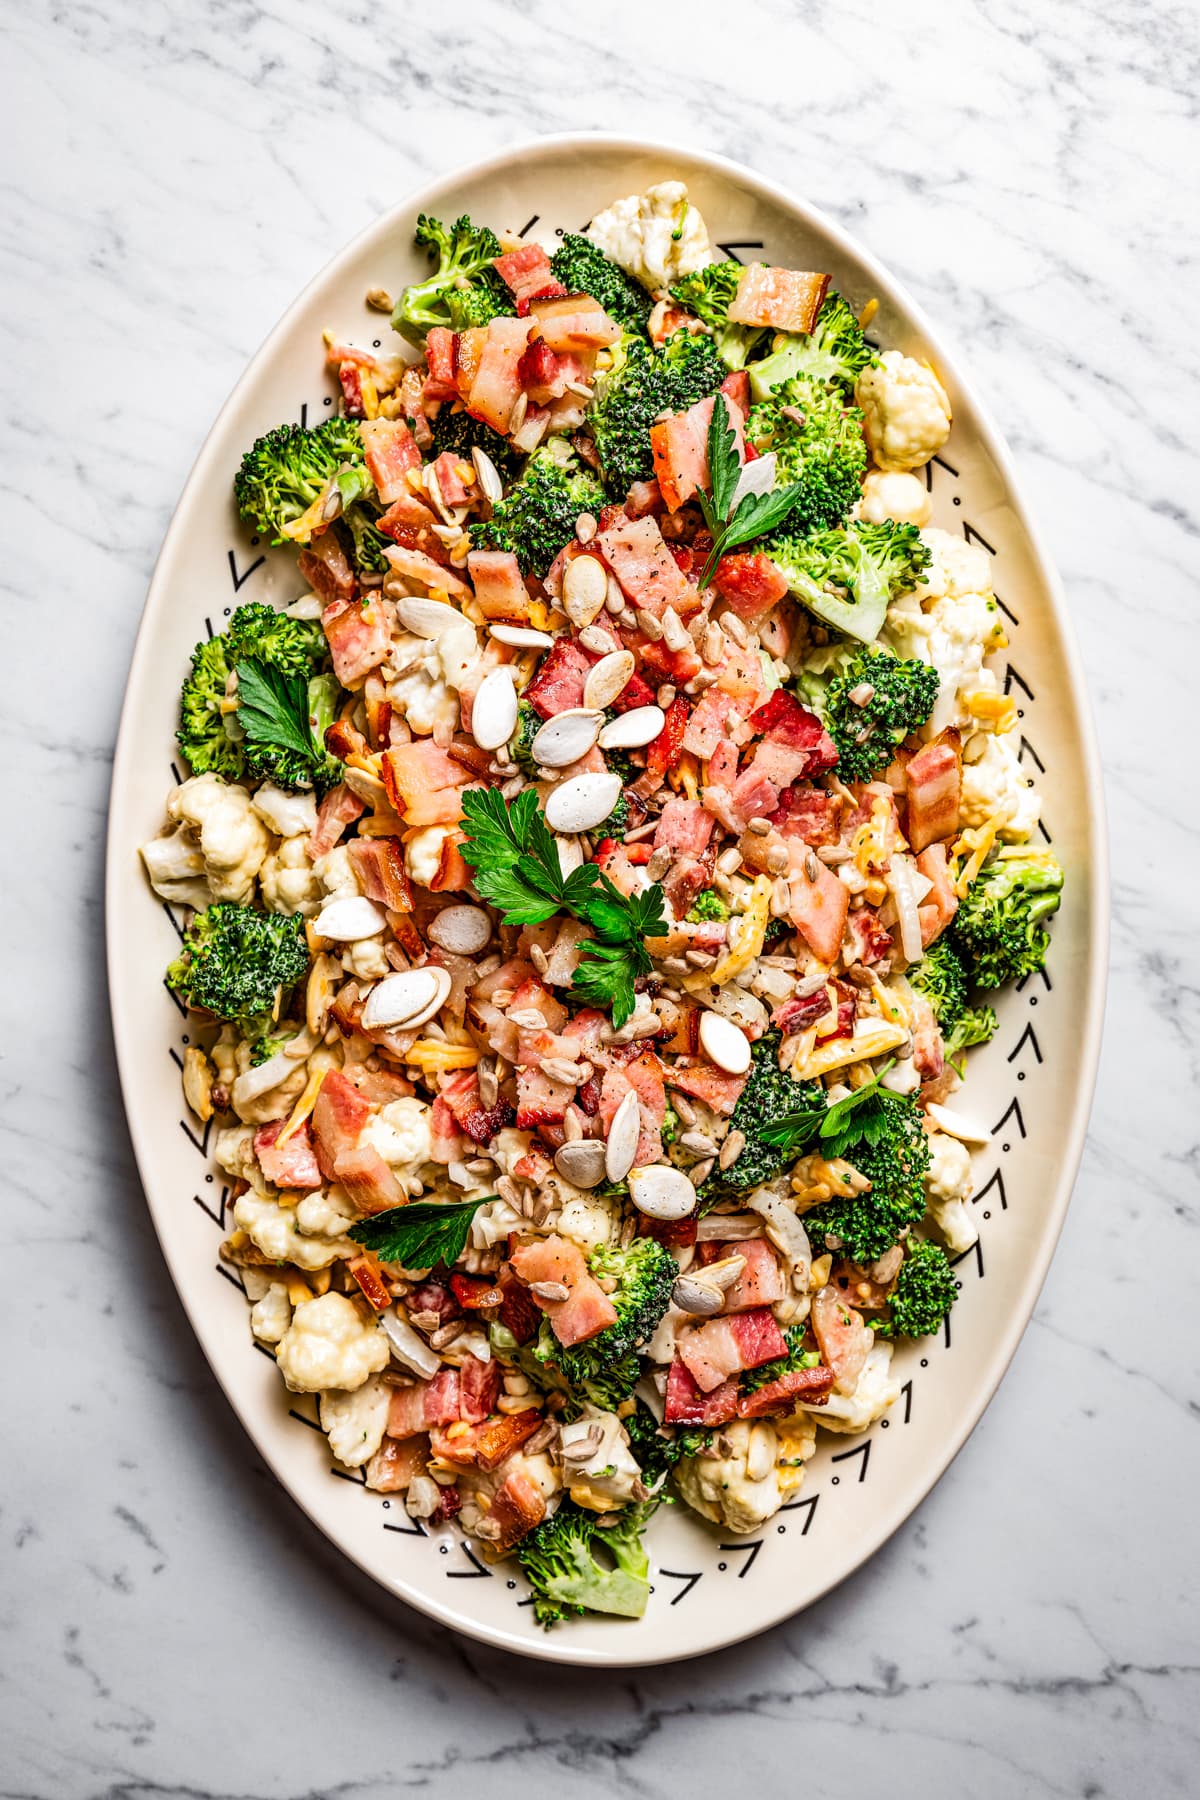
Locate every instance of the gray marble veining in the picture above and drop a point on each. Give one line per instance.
(169, 1624)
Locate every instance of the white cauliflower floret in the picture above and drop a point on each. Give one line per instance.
(233, 1153)
(948, 1187)
(457, 653)
(953, 635)
(335, 872)
(367, 959)
(875, 1391)
(232, 838)
(891, 494)
(420, 695)
(354, 1421)
(272, 1314)
(956, 567)
(994, 787)
(287, 815)
(739, 1489)
(906, 411)
(288, 880)
(423, 853)
(657, 237)
(176, 868)
(493, 1223)
(275, 1230)
(325, 1212)
(609, 1474)
(330, 1345)
(589, 1219)
(402, 1133)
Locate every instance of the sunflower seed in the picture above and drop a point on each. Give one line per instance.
(699, 1142)
(660, 861)
(665, 695)
(614, 599)
(701, 1171)
(560, 1068)
(733, 627)
(549, 1290)
(489, 476)
(731, 1149)
(648, 625)
(489, 1083)
(759, 826)
(777, 860)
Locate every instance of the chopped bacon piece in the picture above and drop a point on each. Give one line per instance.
(844, 1340)
(819, 906)
(687, 877)
(397, 1463)
(736, 388)
(439, 354)
(517, 1506)
(635, 693)
(474, 1292)
(527, 272)
(369, 1276)
(716, 1089)
(664, 751)
(708, 724)
(643, 497)
(934, 794)
(576, 323)
(871, 942)
(480, 1123)
(424, 783)
(409, 523)
(928, 1052)
(760, 1282)
(754, 795)
(807, 1387)
(587, 1308)
(679, 445)
(369, 1180)
(350, 377)
(290, 1165)
(941, 902)
(379, 865)
(479, 1387)
(414, 565)
(795, 1016)
(724, 1346)
(450, 483)
(683, 825)
(496, 382)
(540, 1099)
(783, 299)
(359, 637)
(687, 1404)
(499, 586)
(637, 555)
(337, 810)
(545, 374)
(337, 1122)
(390, 452)
(808, 813)
(487, 1445)
(723, 766)
(406, 1411)
(558, 684)
(783, 721)
(751, 583)
(446, 1141)
(326, 570)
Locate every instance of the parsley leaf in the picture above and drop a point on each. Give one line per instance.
(858, 1118)
(754, 515)
(273, 710)
(419, 1235)
(609, 967)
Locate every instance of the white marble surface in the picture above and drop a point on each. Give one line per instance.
(169, 1624)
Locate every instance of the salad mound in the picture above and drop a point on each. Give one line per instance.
(598, 876)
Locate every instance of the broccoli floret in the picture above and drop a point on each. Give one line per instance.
(459, 432)
(707, 908)
(709, 293)
(834, 351)
(606, 1366)
(997, 929)
(894, 1157)
(239, 964)
(617, 822)
(576, 1565)
(537, 515)
(819, 446)
(267, 1046)
(849, 577)
(976, 1025)
(940, 976)
(769, 1093)
(368, 547)
(284, 471)
(669, 1129)
(583, 268)
(644, 381)
(658, 1448)
(798, 1357)
(872, 705)
(297, 648)
(464, 289)
(529, 723)
(925, 1291)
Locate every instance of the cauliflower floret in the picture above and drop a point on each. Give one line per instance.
(287, 815)
(457, 652)
(891, 494)
(589, 1219)
(423, 853)
(354, 1421)
(736, 1489)
(329, 1345)
(875, 1391)
(948, 1187)
(272, 1314)
(953, 635)
(176, 868)
(994, 787)
(956, 566)
(367, 959)
(335, 872)
(493, 1223)
(288, 880)
(233, 1153)
(275, 1230)
(232, 838)
(402, 1133)
(420, 695)
(657, 237)
(906, 411)
(797, 1444)
(609, 1474)
(325, 1212)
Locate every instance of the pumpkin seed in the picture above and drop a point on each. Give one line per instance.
(583, 802)
(724, 1043)
(521, 637)
(408, 998)
(585, 584)
(631, 730)
(463, 930)
(426, 618)
(623, 1135)
(494, 711)
(566, 737)
(349, 918)
(608, 679)
(661, 1192)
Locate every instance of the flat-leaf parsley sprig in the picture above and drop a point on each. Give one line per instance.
(515, 858)
(754, 515)
(857, 1118)
(421, 1235)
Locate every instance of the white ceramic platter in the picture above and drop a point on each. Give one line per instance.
(1033, 1082)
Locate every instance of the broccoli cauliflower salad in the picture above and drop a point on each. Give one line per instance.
(597, 877)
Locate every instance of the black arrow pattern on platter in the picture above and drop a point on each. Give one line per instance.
(689, 1578)
(359, 1480)
(200, 1143)
(1014, 1107)
(474, 1572)
(750, 1551)
(808, 1507)
(299, 1416)
(1030, 1037)
(995, 1180)
(415, 1529)
(943, 464)
(907, 1391)
(1013, 677)
(975, 1250)
(1025, 746)
(731, 250)
(863, 1450)
(239, 581)
(525, 229)
(218, 1218)
(233, 1280)
(1049, 840)
(976, 537)
(175, 925)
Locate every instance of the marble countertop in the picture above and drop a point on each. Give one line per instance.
(169, 1624)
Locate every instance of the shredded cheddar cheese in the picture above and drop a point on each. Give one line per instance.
(872, 1037)
(746, 933)
(303, 1106)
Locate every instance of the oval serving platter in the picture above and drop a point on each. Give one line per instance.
(1033, 1083)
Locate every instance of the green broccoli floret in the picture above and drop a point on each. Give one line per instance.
(669, 1129)
(798, 1357)
(940, 976)
(284, 471)
(239, 964)
(818, 444)
(658, 1448)
(997, 929)
(209, 735)
(459, 432)
(835, 351)
(872, 705)
(707, 908)
(368, 547)
(893, 1154)
(769, 1093)
(708, 293)
(267, 1046)
(975, 1025)
(583, 268)
(537, 515)
(644, 381)
(849, 577)
(925, 1291)
(529, 723)
(576, 1565)
(464, 289)
(606, 1366)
